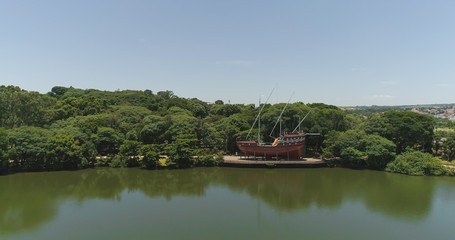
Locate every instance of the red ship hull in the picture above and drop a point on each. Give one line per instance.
(290, 146)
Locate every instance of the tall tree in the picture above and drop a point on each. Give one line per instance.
(4, 164)
(107, 141)
(405, 129)
(64, 152)
(28, 147)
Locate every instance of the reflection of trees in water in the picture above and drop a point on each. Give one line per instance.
(24, 205)
(398, 195)
(31, 199)
(27, 200)
(168, 183)
(292, 189)
(283, 189)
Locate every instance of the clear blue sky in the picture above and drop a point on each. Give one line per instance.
(337, 52)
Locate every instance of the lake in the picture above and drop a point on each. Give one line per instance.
(226, 203)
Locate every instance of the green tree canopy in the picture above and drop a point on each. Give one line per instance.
(405, 129)
(64, 152)
(4, 165)
(150, 156)
(358, 149)
(153, 130)
(22, 108)
(379, 151)
(28, 147)
(107, 141)
(416, 163)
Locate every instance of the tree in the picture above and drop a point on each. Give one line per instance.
(448, 147)
(199, 108)
(107, 141)
(131, 150)
(64, 152)
(128, 118)
(19, 107)
(219, 102)
(353, 121)
(4, 164)
(181, 152)
(353, 157)
(58, 91)
(357, 149)
(82, 106)
(337, 142)
(405, 129)
(225, 109)
(150, 156)
(379, 151)
(229, 129)
(414, 162)
(154, 127)
(28, 147)
(83, 137)
(210, 137)
(181, 123)
(207, 158)
(166, 94)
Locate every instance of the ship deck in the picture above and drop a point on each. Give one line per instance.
(243, 161)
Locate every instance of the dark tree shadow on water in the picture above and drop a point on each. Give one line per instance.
(29, 200)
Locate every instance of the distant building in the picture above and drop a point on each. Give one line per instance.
(415, 110)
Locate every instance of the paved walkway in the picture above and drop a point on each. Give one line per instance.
(237, 160)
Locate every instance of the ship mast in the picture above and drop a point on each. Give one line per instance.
(298, 126)
(259, 115)
(279, 118)
(259, 123)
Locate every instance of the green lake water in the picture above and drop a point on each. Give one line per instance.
(226, 203)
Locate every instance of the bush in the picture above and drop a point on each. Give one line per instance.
(4, 165)
(219, 158)
(104, 161)
(379, 151)
(416, 163)
(206, 160)
(130, 151)
(150, 156)
(357, 149)
(119, 161)
(181, 153)
(353, 157)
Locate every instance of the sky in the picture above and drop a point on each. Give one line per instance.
(345, 53)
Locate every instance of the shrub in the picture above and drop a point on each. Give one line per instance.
(416, 163)
(181, 153)
(353, 157)
(357, 149)
(150, 156)
(103, 161)
(379, 151)
(119, 161)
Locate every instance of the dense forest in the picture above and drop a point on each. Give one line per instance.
(71, 128)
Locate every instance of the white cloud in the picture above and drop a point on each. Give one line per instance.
(389, 83)
(382, 96)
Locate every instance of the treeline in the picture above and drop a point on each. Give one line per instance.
(395, 141)
(71, 128)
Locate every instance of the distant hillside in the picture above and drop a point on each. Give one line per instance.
(443, 111)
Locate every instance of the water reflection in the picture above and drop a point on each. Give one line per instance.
(288, 190)
(28, 200)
